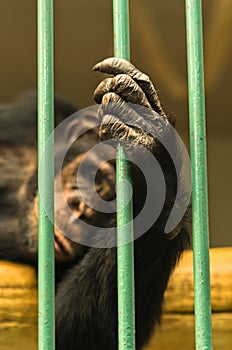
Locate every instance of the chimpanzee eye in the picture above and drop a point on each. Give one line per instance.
(74, 188)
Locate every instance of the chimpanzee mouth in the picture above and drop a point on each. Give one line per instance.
(59, 247)
(62, 245)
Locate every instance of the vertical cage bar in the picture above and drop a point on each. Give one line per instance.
(203, 331)
(45, 176)
(125, 252)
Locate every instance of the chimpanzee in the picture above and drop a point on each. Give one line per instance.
(86, 295)
(18, 159)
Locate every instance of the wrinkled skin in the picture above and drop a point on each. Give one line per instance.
(86, 300)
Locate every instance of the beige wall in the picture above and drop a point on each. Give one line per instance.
(83, 36)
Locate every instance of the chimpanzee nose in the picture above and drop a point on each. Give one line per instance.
(77, 204)
(73, 199)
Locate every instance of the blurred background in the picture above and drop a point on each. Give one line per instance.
(83, 36)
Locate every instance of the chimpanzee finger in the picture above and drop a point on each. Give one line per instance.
(121, 120)
(124, 86)
(116, 66)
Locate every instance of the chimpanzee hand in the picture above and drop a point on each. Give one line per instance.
(130, 107)
(130, 110)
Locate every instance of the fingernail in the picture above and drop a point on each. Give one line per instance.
(97, 67)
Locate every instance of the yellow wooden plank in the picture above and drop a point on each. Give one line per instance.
(18, 287)
(179, 295)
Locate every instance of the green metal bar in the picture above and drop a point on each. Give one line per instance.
(125, 252)
(46, 176)
(121, 29)
(203, 328)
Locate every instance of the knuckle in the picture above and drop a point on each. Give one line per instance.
(110, 97)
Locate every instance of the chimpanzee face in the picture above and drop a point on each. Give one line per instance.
(73, 212)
